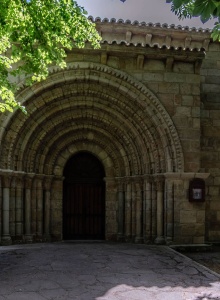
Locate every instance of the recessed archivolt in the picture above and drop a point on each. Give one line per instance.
(112, 164)
(71, 137)
(82, 113)
(86, 128)
(115, 126)
(84, 81)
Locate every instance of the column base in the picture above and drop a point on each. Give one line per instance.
(28, 238)
(6, 240)
(159, 240)
(169, 241)
(120, 237)
(139, 240)
(47, 237)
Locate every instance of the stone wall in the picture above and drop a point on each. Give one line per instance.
(210, 141)
(136, 106)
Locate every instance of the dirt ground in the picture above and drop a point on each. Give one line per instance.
(209, 259)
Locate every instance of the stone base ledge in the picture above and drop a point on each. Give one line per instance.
(192, 247)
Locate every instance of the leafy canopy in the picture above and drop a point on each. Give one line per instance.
(205, 9)
(34, 34)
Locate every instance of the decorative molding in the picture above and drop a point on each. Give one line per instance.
(94, 71)
(149, 34)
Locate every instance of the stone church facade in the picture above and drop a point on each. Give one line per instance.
(110, 144)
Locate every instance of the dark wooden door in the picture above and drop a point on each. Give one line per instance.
(84, 198)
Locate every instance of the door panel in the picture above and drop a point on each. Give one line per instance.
(84, 201)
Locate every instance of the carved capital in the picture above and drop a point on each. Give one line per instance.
(6, 181)
(28, 180)
(47, 182)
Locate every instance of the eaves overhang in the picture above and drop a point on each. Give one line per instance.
(141, 34)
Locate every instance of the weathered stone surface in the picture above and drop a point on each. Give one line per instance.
(137, 108)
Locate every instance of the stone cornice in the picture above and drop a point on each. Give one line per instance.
(152, 35)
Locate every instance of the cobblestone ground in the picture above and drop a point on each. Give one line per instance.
(102, 271)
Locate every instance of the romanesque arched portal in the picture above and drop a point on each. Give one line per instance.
(101, 110)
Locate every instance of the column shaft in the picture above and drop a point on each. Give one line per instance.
(47, 214)
(121, 215)
(5, 222)
(147, 212)
(128, 212)
(19, 210)
(139, 214)
(28, 214)
(160, 214)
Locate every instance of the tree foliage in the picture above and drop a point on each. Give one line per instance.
(35, 34)
(205, 9)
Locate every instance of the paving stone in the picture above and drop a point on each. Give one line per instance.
(103, 271)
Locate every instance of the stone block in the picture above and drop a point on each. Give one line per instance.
(199, 229)
(196, 123)
(195, 112)
(182, 121)
(154, 65)
(153, 77)
(214, 47)
(213, 190)
(213, 98)
(215, 205)
(187, 100)
(214, 114)
(212, 79)
(174, 77)
(184, 111)
(209, 63)
(185, 88)
(198, 239)
(153, 87)
(181, 67)
(187, 230)
(217, 180)
(200, 216)
(211, 88)
(168, 88)
(113, 61)
(187, 216)
(193, 78)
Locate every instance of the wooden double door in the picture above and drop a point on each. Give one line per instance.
(84, 198)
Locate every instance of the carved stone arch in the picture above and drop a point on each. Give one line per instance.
(166, 139)
(97, 151)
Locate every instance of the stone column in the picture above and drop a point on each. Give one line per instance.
(56, 211)
(133, 210)
(128, 211)
(169, 211)
(153, 210)
(39, 211)
(47, 208)
(121, 210)
(139, 211)
(33, 209)
(19, 209)
(27, 205)
(12, 205)
(147, 217)
(6, 238)
(111, 209)
(160, 213)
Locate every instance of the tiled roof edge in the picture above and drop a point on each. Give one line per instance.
(150, 24)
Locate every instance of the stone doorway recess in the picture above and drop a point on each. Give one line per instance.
(84, 198)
